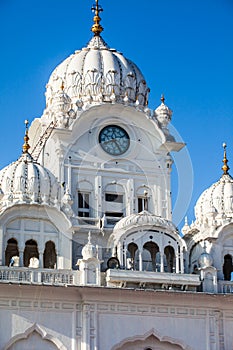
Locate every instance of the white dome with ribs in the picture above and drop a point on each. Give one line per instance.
(98, 74)
(26, 181)
(216, 202)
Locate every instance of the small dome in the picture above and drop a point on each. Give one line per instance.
(216, 202)
(61, 102)
(26, 181)
(89, 250)
(143, 218)
(205, 260)
(163, 113)
(98, 74)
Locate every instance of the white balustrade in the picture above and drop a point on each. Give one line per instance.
(225, 286)
(38, 276)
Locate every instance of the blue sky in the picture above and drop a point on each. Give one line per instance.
(183, 47)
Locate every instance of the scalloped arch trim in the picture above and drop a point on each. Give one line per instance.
(39, 330)
(156, 335)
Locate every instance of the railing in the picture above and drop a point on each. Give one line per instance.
(56, 277)
(8, 274)
(225, 286)
(38, 276)
(156, 280)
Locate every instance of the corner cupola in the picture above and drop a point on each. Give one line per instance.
(25, 181)
(216, 203)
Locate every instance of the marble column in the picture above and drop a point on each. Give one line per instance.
(161, 262)
(177, 263)
(21, 251)
(140, 260)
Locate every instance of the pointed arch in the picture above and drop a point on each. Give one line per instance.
(30, 251)
(132, 248)
(39, 330)
(152, 248)
(50, 255)
(11, 250)
(156, 335)
(170, 259)
(227, 267)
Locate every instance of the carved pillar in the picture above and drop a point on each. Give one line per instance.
(169, 206)
(41, 260)
(140, 260)
(216, 331)
(217, 315)
(125, 257)
(79, 326)
(86, 328)
(69, 175)
(21, 243)
(130, 196)
(168, 185)
(161, 262)
(159, 207)
(181, 262)
(98, 196)
(177, 262)
(120, 253)
(93, 328)
(21, 251)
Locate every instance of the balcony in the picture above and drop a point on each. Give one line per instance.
(111, 278)
(26, 275)
(153, 280)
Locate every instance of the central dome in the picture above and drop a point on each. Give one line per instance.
(98, 74)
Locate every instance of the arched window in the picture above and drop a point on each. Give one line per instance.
(131, 263)
(50, 255)
(30, 251)
(11, 250)
(169, 265)
(150, 249)
(227, 267)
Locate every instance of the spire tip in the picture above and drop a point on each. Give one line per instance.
(225, 166)
(26, 145)
(97, 28)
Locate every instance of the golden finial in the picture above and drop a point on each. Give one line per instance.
(225, 167)
(162, 99)
(26, 138)
(97, 28)
(62, 86)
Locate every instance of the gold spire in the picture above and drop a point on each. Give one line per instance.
(97, 28)
(26, 138)
(225, 167)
